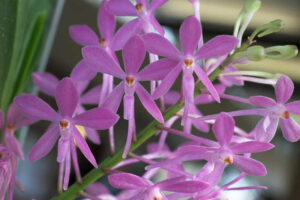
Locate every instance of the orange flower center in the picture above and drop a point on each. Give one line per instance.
(157, 198)
(10, 127)
(188, 62)
(228, 160)
(139, 7)
(129, 80)
(64, 124)
(102, 42)
(285, 114)
(1, 155)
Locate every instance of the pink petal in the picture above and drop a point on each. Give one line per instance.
(66, 97)
(126, 181)
(125, 33)
(63, 148)
(83, 35)
(113, 101)
(266, 129)
(106, 22)
(262, 101)
(82, 72)
(97, 188)
(157, 70)
(149, 103)
(156, 4)
(133, 55)
(159, 45)
(99, 60)
(189, 33)
(172, 97)
(188, 86)
(83, 146)
(91, 96)
(167, 82)
(251, 147)
(218, 46)
(284, 89)
(290, 129)
(35, 107)
(250, 166)
(156, 24)
(44, 145)
(293, 107)
(186, 187)
(128, 103)
(121, 7)
(131, 131)
(97, 118)
(207, 83)
(45, 82)
(223, 128)
(92, 135)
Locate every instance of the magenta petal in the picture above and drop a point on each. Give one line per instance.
(133, 55)
(157, 70)
(44, 145)
(126, 181)
(266, 128)
(45, 82)
(149, 103)
(125, 33)
(83, 146)
(293, 107)
(82, 72)
(156, 4)
(97, 118)
(99, 60)
(223, 128)
(13, 144)
(97, 188)
(251, 147)
(92, 135)
(159, 45)
(186, 187)
(66, 97)
(207, 83)
(284, 89)
(290, 129)
(172, 97)
(156, 24)
(190, 32)
(250, 166)
(167, 82)
(262, 101)
(91, 96)
(84, 35)
(35, 107)
(121, 7)
(218, 46)
(113, 101)
(106, 22)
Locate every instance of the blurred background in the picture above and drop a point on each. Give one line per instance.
(218, 17)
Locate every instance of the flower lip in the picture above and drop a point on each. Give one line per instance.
(129, 80)
(285, 114)
(64, 124)
(139, 7)
(188, 62)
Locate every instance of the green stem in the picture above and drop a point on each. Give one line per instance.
(143, 136)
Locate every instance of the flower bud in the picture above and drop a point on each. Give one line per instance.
(272, 27)
(281, 52)
(255, 53)
(252, 5)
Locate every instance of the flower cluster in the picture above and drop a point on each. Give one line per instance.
(141, 37)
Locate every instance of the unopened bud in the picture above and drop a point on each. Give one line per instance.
(281, 52)
(272, 27)
(252, 5)
(255, 53)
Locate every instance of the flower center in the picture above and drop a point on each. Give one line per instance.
(64, 124)
(188, 62)
(1, 155)
(139, 7)
(102, 42)
(10, 127)
(129, 80)
(285, 114)
(228, 160)
(157, 198)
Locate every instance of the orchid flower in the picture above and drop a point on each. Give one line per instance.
(6, 172)
(133, 56)
(63, 125)
(187, 63)
(278, 111)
